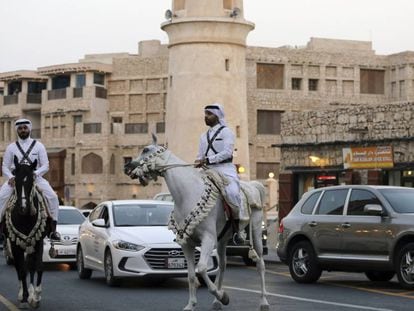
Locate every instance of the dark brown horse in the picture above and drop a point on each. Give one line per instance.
(26, 225)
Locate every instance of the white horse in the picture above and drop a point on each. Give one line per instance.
(199, 218)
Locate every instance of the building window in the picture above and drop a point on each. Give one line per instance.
(372, 81)
(136, 128)
(264, 168)
(269, 76)
(92, 164)
(296, 83)
(268, 122)
(127, 160)
(313, 84)
(76, 119)
(80, 80)
(60, 82)
(99, 78)
(160, 127)
(35, 87)
(227, 64)
(92, 128)
(116, 125)
(14, 87)
(72, 164)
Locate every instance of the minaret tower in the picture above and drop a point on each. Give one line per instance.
(207, 64)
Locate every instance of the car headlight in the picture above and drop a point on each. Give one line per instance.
(127, 246)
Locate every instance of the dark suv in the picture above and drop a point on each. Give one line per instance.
(351, 228)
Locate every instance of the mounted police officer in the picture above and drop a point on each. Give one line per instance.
(216, 152)
(27, 150)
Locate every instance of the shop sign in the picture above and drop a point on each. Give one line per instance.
(368, 157)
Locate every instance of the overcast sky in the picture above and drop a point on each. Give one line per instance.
(37, 33)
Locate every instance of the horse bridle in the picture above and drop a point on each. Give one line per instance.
(150, 166)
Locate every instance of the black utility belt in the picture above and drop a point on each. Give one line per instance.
(222, 162)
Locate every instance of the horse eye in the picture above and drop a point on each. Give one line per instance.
(145, 150)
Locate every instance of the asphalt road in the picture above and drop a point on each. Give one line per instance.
(63, 290)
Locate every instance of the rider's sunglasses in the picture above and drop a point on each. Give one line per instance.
(22, 127)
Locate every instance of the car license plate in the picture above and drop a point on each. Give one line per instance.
(175, 263)
(64, 251)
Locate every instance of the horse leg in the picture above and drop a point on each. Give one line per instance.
(35, 267)
(260, 265)
(21, 269)
(189, 256)
(221, 252)
(207, 246)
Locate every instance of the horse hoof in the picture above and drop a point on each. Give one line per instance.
(264, 308)
(225, 299)
(34, 304)
(217, 305)
(24, 305)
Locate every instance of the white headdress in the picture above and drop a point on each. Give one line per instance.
(218, 111)
(26, 122)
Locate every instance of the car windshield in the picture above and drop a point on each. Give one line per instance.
(401, 200)
(142, 214)
(70, 217)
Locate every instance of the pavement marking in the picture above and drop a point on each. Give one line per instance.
(8, 304)
(338, 304)
(404, 294)
(376, 291)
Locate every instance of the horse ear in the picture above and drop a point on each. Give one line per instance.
(34, 164)
(16, 161)
(154, 139)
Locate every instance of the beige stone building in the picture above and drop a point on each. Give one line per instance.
(96, 114)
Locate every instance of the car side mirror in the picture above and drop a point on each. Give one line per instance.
(99, 223)
(374, 210)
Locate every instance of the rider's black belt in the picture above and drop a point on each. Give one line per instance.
(224, 161)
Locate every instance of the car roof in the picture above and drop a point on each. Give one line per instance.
(155, 202)
(361, 187)
(67, 207)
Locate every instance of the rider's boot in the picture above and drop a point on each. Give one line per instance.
(53, 234)
(239, 235)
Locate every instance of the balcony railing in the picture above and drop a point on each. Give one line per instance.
(34, 98)
(11, 99)
(77, 92)
(56, 94)
(100, 92)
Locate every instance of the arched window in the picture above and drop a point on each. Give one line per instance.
(92, 164)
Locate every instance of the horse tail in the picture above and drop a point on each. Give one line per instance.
(262, 191)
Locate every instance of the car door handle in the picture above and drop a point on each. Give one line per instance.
(346, 225)
(313, 224)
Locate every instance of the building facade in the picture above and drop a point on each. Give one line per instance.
(97, 114)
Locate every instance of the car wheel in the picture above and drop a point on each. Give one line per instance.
(83, 272)
(109, 270)
(405, 266)
(303, 265)
(380, 276)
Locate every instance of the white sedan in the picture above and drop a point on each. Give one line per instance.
(130, 238)
(68, 224)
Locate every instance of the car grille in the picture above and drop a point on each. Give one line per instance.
(157, 257)
(66, 241)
